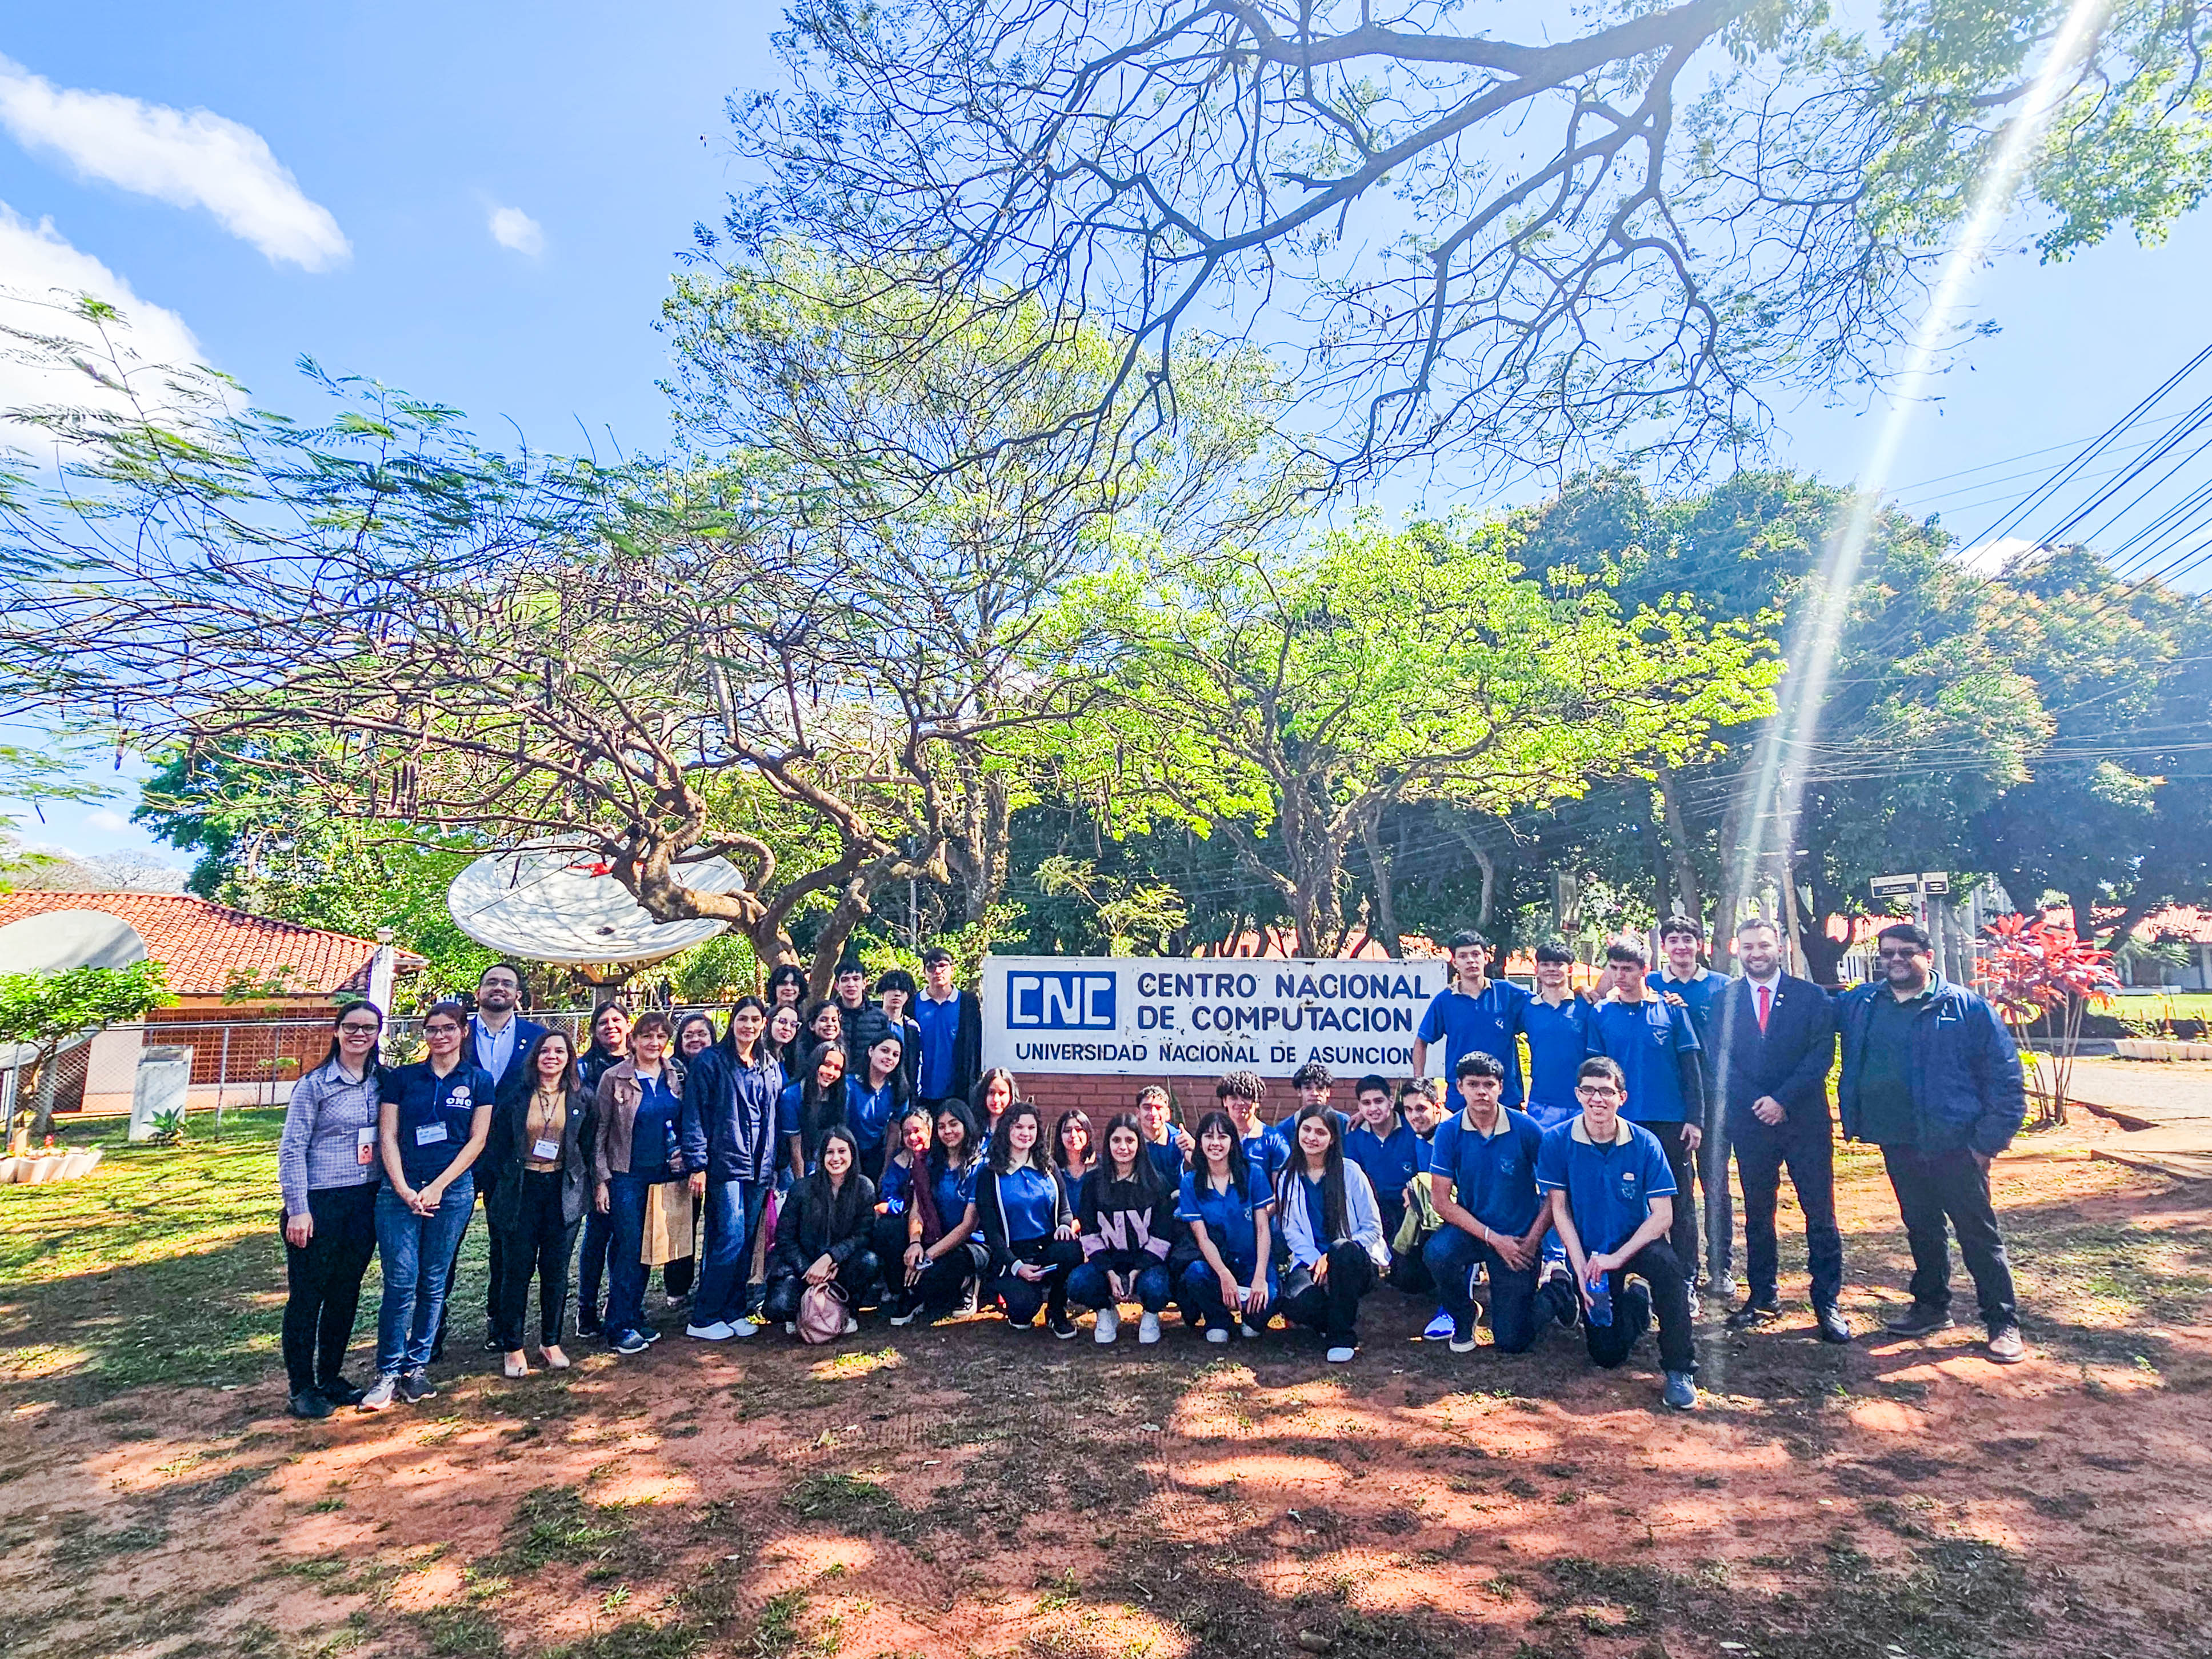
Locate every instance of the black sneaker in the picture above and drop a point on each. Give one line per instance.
(417, 1385)
(1059, 1325)
(648, 1332)
(1831, 1325)
(1751, 1314)
(1918, 1320)
(590, 1327)
(1566, 1306)
(307, 1403)
(339, 1392)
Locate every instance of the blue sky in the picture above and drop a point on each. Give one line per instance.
(598, 136)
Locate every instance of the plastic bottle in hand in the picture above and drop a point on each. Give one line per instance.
(1599, 1312)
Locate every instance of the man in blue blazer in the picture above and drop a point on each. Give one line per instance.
(1775, 1035)
(1933, 1077)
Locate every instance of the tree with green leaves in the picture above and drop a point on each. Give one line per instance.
(39, 1013)
(1305, 695)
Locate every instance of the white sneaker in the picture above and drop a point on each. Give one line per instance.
(1249, 1331)
(381, 1393)
(719, 1331)
(1109, 1325)
(1342, 1356)
(742, 1328)
(851, 1325)
(1148, 1328)
(791, 1327)
(1217, 1332)
(1460, 1344)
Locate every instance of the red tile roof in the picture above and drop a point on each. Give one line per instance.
(2184, 923)
(203, 947)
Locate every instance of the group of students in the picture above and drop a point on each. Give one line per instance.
(901, 1177)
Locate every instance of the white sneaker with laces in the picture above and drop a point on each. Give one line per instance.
(1109, 1325)
(742, 1328)
(1342, 1356)
(381, 1393)
(1148, 1328)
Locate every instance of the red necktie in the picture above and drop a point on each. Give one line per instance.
(1765, 1002)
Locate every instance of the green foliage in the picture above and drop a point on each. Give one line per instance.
(41, 1010)
(721, 969)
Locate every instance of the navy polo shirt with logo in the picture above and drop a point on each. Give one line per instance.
(1462, 1026)
(1493, 1175)
(1643, 1038)
(1609, 1188)
(1559, 1043)
(434, 1114)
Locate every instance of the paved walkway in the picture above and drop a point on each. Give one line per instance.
(2167, 1103)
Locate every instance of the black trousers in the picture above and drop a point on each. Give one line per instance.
(1668, 1297)
(1935, 1187)
(1807, 1151)
(1023, 1298)
(1683, 1235)
(322, 1283)
(539, 1247)
(857, 1279)
(1332, 1306)
(494, 1271)
(938, 1291)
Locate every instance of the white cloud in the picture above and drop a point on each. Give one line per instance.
(41, 275)
(193, 158)
(512, 227)
(1990, 558)
(105, 817)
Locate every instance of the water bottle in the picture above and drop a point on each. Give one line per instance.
(1599, 1312)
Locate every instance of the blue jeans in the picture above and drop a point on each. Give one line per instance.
(416, 1252)
(1198, 1293)
(733, 1215)
(590, 1268)
(1087, 1286)
(627, 1197)
(1452, 1255)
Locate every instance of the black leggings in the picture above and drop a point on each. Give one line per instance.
(1022, 1297)
(1333, 1306)
(540, 1246)
(322, 1283)
(857, 1279)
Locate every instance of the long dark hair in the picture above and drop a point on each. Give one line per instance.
(598, 1051)
(761, 1047)
(1240, 1167)
(938, 1163)
(375, 1050)
(1332, 1178)
(838, 1207)
(792, 974)
(1077, 1115)
(1002, 1154)
(901, 1093)
(982, 1089)
(1144, 1174)
(820, 1109)
(569, 1082)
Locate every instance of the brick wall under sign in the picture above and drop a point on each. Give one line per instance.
(1103, 1096)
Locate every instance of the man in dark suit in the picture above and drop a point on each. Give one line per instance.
(499, 1038)
(1776, 1034)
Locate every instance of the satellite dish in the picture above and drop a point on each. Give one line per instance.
(545, 902)
(57, 941)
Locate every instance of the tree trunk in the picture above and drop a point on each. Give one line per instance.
(1384, 926)
(1737, 875)
(1689, 900)
(1650, 832)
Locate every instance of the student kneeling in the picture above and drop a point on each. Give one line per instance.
(1613, 1200)
(821, 1234)
(1125, 1221)
(1333, 1232)
(1482, 1179)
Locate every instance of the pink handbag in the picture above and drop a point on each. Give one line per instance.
(822, 1312)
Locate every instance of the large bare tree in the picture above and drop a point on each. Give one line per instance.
(1538, 234)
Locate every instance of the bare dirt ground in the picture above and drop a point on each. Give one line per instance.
(974, 1490)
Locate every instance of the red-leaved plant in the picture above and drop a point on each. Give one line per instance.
(2043, 976)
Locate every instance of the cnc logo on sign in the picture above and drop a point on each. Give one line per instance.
(1061, 1002)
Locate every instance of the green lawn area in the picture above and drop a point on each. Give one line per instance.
(164, 1266)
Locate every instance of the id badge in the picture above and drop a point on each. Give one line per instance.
(429, 1135)
(365, 1146)
(546, 1151)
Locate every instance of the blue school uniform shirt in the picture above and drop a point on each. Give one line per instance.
(1167, 1159)
(868, 1115)
(892, 1190)
(1391, 1162)
(940, 1024)
(1558, 1043)
(1643, 1038)
(653, 1133)
(1609, 1188)
(954, 1191)
(1031, 1203)
(1071, 1184)
(1704, 994)
(1268, 1152)
(1228, 1217)
(1311, 1193)
(1493, 1175)
(434, 1114)
(787, 1106)
(1463, 1025)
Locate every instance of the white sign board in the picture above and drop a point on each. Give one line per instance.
(1180, 1017)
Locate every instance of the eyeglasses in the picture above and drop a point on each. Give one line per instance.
(358, 1028)
(1897, 953)
(443, 1028)
(1597, 1091)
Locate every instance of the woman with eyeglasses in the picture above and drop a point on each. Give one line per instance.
(326, 1169)
(610, 1047)
(539, 1205)
(638, 1114)
(434, 1118)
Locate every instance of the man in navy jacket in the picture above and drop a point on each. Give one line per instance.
(1932, 1077)
(1774, 1035)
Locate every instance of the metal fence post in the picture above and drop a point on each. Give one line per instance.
(222, 1077)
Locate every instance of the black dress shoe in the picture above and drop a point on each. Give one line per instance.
(1749, 1315)
(1832, 1326)
(308, 1403)
(339, 1392)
